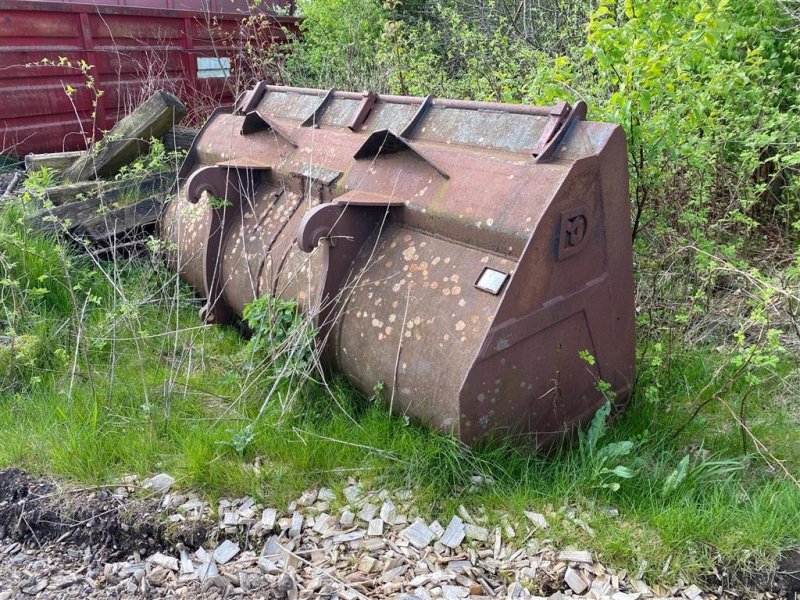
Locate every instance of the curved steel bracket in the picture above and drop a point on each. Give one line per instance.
(341, 229)
(227, 186)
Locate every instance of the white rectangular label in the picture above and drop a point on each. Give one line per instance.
(209, 67)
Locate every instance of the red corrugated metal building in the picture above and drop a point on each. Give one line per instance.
(134, 48)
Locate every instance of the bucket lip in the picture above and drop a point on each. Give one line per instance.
(522, 109)
(535, 131)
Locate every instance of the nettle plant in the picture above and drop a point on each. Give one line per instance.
(157, 160)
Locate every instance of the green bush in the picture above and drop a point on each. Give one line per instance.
(339, 45)
(706, 93)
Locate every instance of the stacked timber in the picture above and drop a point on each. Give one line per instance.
(90, 204)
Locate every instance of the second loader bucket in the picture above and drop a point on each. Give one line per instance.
(469, 256)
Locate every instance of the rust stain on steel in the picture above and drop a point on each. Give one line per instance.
(464, 254)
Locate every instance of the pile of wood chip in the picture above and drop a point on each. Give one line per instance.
(362, 544)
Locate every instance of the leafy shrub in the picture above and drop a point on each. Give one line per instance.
(704, 93)
(339, 46)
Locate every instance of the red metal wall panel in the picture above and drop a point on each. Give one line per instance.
(191, 5)
(132, 51)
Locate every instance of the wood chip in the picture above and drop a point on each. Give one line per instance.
(454, 592)
(419, 580)
(418, 534)
(308, 498)
(352, 493)
(187, 566)
(375, 527)
(395, 573)
(325, 524)
(581, 556)
(437, 529)
(373, 545)
(347, 519)
(367, 512)
(272, 547)
(537, 519)
(225, 551)
(574, 580)
(350, 536)
(366, 564)
(269, 567)
(268, 518)
(692, 592)
(473, 532)
(297, 525)
(326, 495)
(207, 571)
(201, 555)
(462, 512)
(164, 561)
(454, 534)
(388, 512)
(601, 588)
(159, 484)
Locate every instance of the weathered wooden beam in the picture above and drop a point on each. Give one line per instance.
(69, 217)
(52, 160)
(179, 138)
(129, 138)
(64, 194)
(120, 225)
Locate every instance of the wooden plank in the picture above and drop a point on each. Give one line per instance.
(418, 534)
(52, 160)
(122, 224)
(129, 138)
(70, 216)
(72, 192)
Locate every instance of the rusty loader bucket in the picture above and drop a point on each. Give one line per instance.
(463, 254)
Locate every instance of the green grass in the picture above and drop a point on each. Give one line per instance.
(125, 379)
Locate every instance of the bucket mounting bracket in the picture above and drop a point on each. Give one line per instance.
(228, 186)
